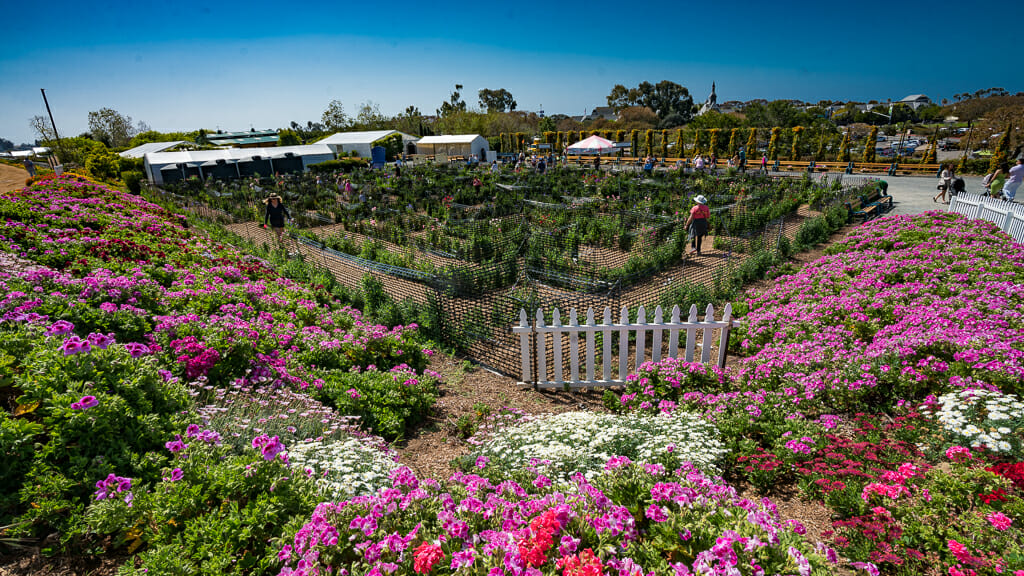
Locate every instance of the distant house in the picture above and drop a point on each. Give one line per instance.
(605, 112)
(916, 101)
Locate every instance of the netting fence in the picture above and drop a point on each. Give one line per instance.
(479, 265)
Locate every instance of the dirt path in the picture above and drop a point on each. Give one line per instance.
(12, 178)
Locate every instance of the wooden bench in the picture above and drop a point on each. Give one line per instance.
(874, 167)
(916, 168)
(877, 198)
(858, 209)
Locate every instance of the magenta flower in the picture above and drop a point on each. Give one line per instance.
(60, 328)
(176, 475)
(85, 403)
(75, 345)
(136, 350)
(656, 513)
(176, 445)
(999, 521)
(101, 341)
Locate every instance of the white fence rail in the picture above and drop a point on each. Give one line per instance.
(1009, 216)
(534, 340)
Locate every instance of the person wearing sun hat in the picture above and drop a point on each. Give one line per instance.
(697, 223)
(276, 213)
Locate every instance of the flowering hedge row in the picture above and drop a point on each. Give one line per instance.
(884, 381)
(120, 331)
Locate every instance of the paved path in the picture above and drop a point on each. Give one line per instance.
(913, 194)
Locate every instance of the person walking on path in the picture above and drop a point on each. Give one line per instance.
(946, 184)
(697, 223)
(276, 213)
(30, 167)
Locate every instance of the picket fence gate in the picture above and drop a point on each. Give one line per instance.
(533, 340)
(1009, 216)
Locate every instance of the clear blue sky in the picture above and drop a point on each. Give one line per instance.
(179, 66)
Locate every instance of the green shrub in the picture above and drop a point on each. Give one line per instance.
(388, 403)
(221, 517)
(342, 164)
(133, 181)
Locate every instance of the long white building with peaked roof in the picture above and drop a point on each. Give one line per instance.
(361, 142)
(161, 166)
(454, 145)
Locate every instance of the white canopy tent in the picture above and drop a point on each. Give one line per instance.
(454, 145)
(361, 142)
(157, 161)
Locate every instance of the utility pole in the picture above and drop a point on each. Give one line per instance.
(60, 143)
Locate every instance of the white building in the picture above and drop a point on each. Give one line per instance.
(916, 101)
(140, 151)
(454, 145)
(242, 161)
(361, 142)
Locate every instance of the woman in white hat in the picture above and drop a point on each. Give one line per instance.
(697, 223)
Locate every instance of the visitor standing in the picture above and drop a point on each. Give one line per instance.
(697, 223)
(276, 214)
(944, 186)
(698, 163)
(713, 163)
(30, 167)
(743, 159)
(494, 166)
(764, 163)
(997, 179)
(1016, 176)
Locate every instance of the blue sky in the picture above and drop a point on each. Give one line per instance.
(183, 66)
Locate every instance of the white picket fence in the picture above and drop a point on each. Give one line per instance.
(1009, 216)
(534, 341)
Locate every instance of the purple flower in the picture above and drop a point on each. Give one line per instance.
(60, 328)
(75, 345)
(176, 475)
(176, 445)
(136, 349)
(85, 402)
(113, 485)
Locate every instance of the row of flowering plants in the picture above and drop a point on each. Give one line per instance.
(630, 519)
(883, 381)
(155, 384)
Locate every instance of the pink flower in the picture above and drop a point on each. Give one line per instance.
(999, 521)
(958, 453)
(85, 403)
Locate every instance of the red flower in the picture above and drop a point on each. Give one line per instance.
(426, 556)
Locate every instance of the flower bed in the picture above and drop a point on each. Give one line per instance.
(560, 446)
(149, 362)
(904, 310)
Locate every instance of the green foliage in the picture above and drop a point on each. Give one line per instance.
(1001, 153)
(844, 148)
(103, 164)
(752, 143)
(133, 181)
(388, 403)
(288, 138)
(869, 145)
(222, 516)
(342, 164)
(795, 152)
(136, 413)
(393, 146)
(773, 150)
